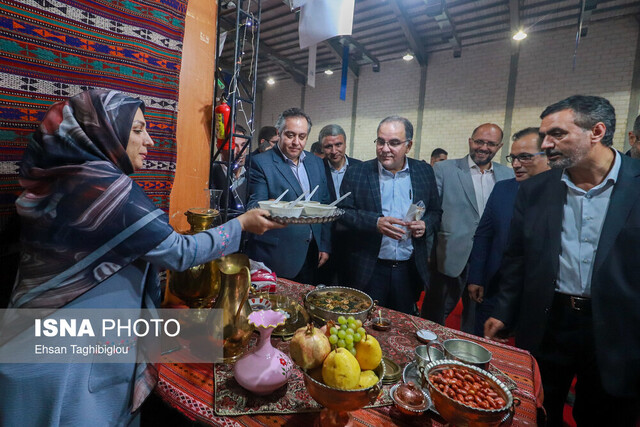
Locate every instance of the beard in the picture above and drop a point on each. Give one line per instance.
(566, 160)
(481, 162)
(635, 151)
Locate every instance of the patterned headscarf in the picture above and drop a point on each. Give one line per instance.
(83, 218)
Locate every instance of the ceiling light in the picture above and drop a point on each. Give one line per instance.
(271, 81)
(328, 72)
(408, 57)
(520, 35)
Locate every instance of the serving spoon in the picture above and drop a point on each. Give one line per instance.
(344, 196)
(281, 196)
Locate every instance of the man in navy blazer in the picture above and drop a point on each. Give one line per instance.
(491, 235)
(388, 256)
(570, 273)
(294, 252)
(334, 143)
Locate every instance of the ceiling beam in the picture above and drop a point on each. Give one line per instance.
(267, 52)
(409, 31)
(336, 48)
(438, 11)
(514, 15)
(589, 6)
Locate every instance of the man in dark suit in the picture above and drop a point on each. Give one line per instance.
(233, 184)
(570, 273)
(491, 235)
(333, 140)
(294, 252)
(388, 258)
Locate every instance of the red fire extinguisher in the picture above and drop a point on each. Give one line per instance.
(223, 130)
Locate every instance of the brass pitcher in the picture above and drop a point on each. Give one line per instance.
(199, 285)
(235, 284)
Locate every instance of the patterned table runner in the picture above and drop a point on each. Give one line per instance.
(191, 388)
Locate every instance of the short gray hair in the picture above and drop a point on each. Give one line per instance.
(331, 130)
(292, 112)
(408, 127)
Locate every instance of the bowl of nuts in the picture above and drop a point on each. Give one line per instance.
(466, 395)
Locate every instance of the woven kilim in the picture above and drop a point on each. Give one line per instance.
(53, 49)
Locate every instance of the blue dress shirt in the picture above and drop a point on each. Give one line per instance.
(583, 217)
(396, 196)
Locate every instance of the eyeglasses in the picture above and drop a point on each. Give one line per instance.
(392, 144)
(489, 144)
(523, 157)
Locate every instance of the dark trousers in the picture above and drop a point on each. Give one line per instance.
(568, 350)
(394, 285)
(442, 297)
(308, 274)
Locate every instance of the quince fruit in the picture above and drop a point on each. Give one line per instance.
(367, 379)
(341, 370)
(368, 352)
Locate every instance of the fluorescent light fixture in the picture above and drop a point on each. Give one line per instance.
(328, 72)
(407, 57)
(520, 35)
(271, 81)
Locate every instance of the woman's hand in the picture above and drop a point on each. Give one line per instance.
(255, 221)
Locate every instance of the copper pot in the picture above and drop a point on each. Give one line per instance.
(462, 415)
(338, 403)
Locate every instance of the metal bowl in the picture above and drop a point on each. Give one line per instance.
(459, 414)
(339, 402)
(322, 315)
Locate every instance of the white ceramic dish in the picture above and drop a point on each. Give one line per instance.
(283, 210)
(313, 209)
(265, 204)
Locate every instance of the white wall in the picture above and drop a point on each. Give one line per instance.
(462, 93)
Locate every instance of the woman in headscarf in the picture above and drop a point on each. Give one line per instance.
(91, 238)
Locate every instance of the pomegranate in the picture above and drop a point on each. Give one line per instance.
(309, 347)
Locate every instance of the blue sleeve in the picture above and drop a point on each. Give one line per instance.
(258, 185)
(482, 242)
(179, 252)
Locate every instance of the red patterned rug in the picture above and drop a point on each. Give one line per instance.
(53, 49)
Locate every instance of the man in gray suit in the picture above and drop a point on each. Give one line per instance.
(464, 186)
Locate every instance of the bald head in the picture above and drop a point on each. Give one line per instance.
(484, 143)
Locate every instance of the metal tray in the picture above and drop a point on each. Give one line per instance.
(305, 219)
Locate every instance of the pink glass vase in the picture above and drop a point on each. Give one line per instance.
(266, 368)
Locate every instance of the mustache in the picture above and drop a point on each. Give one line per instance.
(550, 152)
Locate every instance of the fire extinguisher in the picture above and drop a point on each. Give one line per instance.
(223, 131)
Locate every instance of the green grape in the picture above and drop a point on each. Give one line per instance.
(353, 350)
(361, 331)
(348, 339)
(350, 331)
(342, 320)
(341, 334)
(344, 327)
(333, 339)
(342, 344)
(351, 319)
(359, 323)
(357, 337)
(349, 345)
(333, 330)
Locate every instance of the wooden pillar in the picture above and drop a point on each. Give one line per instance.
(194, 114)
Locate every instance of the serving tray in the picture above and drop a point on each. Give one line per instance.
(306, 219)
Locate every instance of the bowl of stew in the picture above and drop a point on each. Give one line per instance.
(330, 302)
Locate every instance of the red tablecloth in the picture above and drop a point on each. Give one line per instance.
(190, 387)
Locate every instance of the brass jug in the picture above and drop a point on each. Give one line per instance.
(235, 284)
(199, 285)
